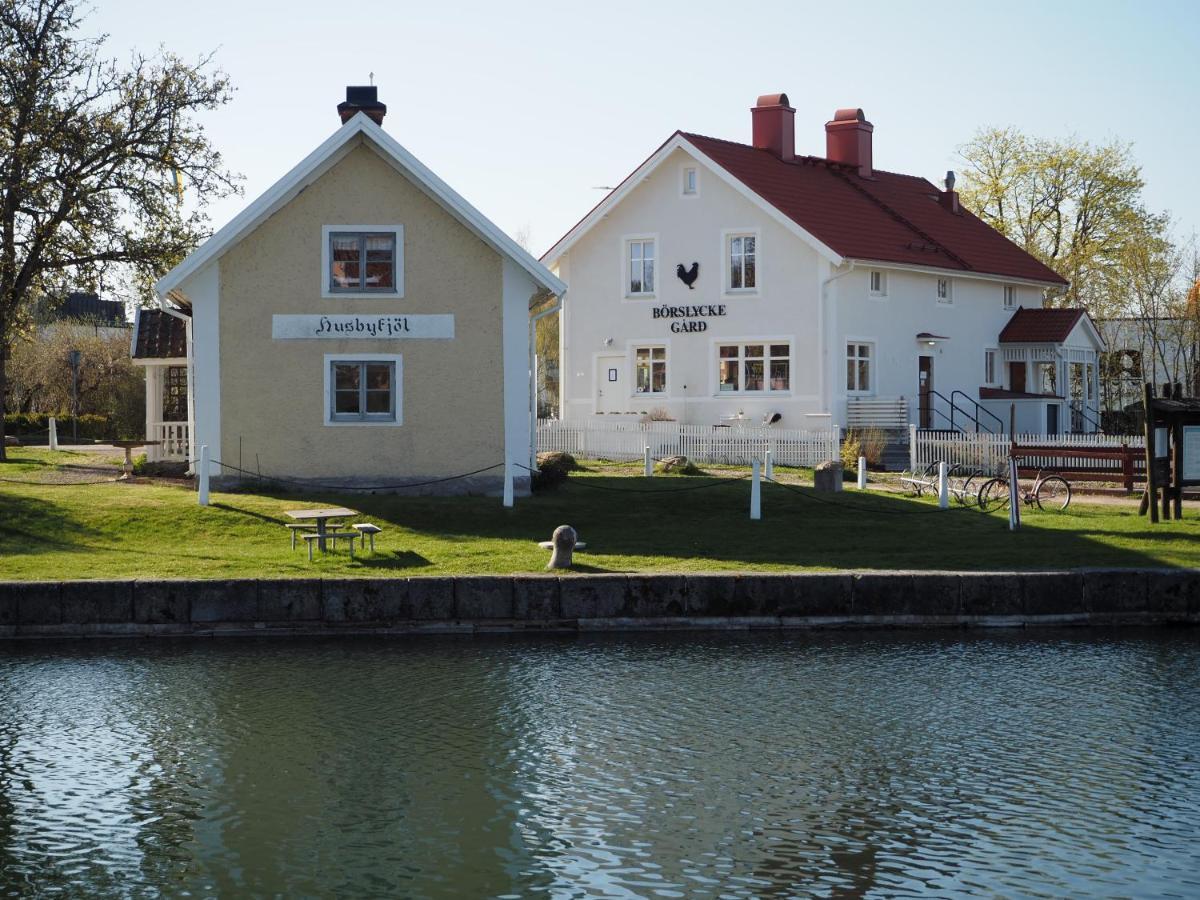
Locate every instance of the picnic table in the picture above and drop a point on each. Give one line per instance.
(322, 516)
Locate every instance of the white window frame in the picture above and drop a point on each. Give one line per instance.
(872, 359)
(727, 236)
(683, 180)
(741, 344)
(666, 361)
(991, 355)
(1009, 295)
(947, 300)
(327, 290)
(396, 359)
(627, 242)
(882, 292)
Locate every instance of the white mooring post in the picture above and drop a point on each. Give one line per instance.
(508, 483)
(53, 433)
(755, 493)
(203, 475)
(649, 466)
(862, 473)
(768, 466)
(1014, 497)
(943, 485)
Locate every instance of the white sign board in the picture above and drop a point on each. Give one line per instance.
(1191, 453)
(370, 328)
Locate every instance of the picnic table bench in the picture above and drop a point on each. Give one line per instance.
(335, 536)
(321, 517)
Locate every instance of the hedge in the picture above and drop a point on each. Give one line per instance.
(35, 427)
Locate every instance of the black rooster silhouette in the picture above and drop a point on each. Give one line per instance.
(688, 276)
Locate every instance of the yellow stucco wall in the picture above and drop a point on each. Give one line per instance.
(272, 391)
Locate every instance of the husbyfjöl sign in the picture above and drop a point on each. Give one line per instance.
(352, 327)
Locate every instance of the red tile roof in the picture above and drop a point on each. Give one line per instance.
(888, 217)
(160, 335)
(1040, 326)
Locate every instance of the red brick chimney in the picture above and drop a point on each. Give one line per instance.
(364, 99)
(949, 197)
(848, 140)
(774, 125)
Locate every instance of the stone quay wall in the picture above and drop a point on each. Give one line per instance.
(598, 603)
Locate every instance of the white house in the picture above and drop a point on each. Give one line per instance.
(724, 281)
(360, 324)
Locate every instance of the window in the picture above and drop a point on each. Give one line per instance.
(743, 262)
(651, 370)
(989, 367)
(1010, 297)
(641, 267)
(758, 368)
(690, 182)
(174, 401)
(945, 290)
(878, 284)
(362, 391)
(362, 261)
(858, 367)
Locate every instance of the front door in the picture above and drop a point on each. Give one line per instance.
(611, 390)
(924, 386)
(1016, 377)
(1051, 418)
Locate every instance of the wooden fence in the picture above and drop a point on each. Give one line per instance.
(733, 444)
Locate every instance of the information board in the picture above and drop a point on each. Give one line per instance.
(1191, 453)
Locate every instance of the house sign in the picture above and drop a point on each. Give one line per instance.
(689, 318)
(351, 327)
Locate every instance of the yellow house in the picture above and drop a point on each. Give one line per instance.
(358, 324)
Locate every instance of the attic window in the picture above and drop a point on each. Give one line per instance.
(945, 290)
(362, 260)
(690, 181)
(1010, 297)
(878, 287)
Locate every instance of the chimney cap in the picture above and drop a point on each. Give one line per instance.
(850, 114)
(773, 100)
(362, 98)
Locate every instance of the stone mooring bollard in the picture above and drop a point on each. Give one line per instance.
(563, 544)
(828, 476)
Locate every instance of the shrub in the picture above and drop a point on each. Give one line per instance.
(36, 425)
(658, 414)
(677, 465)
(868, 442)
(553, 470)
(851, 451)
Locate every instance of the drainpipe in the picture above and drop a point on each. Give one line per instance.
(827, 320)
(533, 320)
(191, 379)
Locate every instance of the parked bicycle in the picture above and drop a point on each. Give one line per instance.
(963, 482)
(1051, 492)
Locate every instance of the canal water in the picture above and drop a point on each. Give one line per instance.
(697, 765)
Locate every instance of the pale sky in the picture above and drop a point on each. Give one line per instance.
(525, 108)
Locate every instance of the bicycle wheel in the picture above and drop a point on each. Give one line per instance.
(1053, 492)
(968, 495)
(993, 494)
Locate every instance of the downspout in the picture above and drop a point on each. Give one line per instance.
(533, 320)
(825, 323)
(191, 381)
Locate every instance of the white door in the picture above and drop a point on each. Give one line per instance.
(612, 393)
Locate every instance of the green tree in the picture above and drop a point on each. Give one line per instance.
(95, 158)
(1075, 206)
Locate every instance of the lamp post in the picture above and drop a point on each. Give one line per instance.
(73, 359)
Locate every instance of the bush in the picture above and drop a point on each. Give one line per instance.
(868, 442)
(677, 465)
(36, 425)
(851, 451)
(553, 470)
(658, 414)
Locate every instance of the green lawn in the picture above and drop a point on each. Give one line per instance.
(149, 530)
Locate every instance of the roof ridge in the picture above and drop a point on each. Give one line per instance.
(902, 220)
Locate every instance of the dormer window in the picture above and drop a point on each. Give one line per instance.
(362, 261)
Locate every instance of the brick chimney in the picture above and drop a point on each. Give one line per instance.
(364, 99)
(848, 140)
(774, 125)
(949, 197)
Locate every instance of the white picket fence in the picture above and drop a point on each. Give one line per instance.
(734, 444)
(988, 452)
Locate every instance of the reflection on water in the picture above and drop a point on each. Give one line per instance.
(679, 765)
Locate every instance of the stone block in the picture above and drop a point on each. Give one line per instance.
(1173, 593)
(483, 597)
(883, 594)
(593, 596)
(431, 598)
(817, 595)
(162, 602)
(535, 598)
(289, 600)
(1120, 591)
(93, 602)
(991, 594)
(827, 476)
(1053, 593)
(9, 591)
(224, 601)
(936, 594)
(38, 602)
(657, 596)
(711, 595)
(358, 600)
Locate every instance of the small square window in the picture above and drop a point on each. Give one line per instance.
(878, 283)
(363, 391)
(362, 262)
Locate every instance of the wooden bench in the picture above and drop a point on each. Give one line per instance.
(293, 527)
(366, 529)
(334, 536)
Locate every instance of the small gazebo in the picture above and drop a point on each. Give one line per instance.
(160, 345)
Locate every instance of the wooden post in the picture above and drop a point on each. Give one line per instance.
(862, 473)
(647, 464)
(1177, 479)
(203, 476)
(1151, 496)
(943, 485)
(768, 466)
(755, 493)
(53, 433)
(1127, 467)
(507, 500)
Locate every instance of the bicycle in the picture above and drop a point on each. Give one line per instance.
(1048, 492)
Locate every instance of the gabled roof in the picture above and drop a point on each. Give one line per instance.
(887, 218)
(1040, 326)
(358, 129)
(159, 335)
